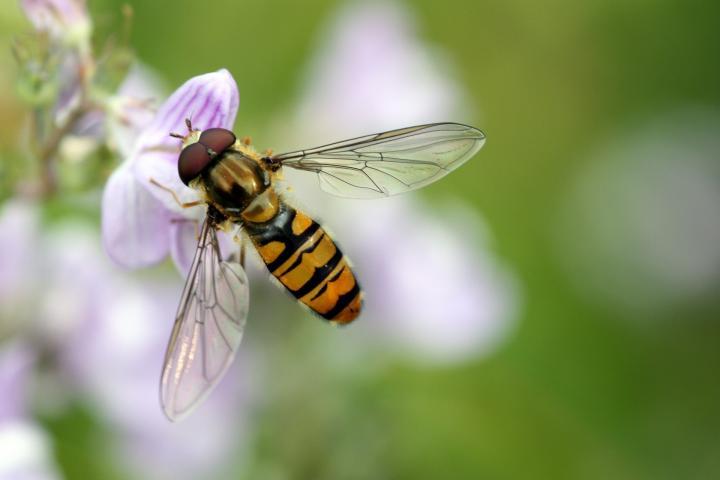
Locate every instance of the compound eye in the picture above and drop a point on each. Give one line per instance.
(217, 139)
(193, 159)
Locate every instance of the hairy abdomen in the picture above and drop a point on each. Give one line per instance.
(303, 257)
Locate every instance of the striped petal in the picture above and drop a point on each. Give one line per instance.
(209, 100)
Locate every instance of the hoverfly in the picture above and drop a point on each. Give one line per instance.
(238, 186)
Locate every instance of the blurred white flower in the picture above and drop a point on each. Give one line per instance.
(25, 449)
(433, 289)
(640, 228)
(25, 452)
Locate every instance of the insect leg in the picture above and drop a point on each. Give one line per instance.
(174, 195)
(239, 256)
(242, 252)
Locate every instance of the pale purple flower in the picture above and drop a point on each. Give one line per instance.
(114, 359)
(142, 223)
(65, 20)
(36, 297)
(640, 230)
(16, 362)
(120, 117)
(371, 72)
(433, 286)
(434, 289)
(132, 108)
(19, 229)
(108, 333)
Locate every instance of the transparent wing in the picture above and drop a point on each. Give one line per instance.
(388, 163)
(208, 328)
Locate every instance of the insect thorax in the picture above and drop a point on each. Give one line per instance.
(240, 188)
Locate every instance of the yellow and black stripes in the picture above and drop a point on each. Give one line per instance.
(303, 257)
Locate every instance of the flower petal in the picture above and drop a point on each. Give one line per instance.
(133, 108)
(16, 360)
(134, 223)
(209, 100)
(129, 334)
(55, 16)
(467, 315)
(154, 165)
(27, 452)
(372, 72)
(19, 230)
(183, 243)
(70, 93)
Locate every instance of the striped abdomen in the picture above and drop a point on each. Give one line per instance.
(303, 257)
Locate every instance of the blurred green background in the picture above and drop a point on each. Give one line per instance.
(582, 388)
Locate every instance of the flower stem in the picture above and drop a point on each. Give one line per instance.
(49, 151)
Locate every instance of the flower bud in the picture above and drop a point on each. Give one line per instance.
(64, 21)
